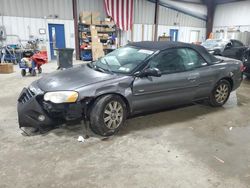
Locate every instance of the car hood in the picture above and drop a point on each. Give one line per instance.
(72, 78)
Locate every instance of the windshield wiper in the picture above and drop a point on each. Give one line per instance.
(93, 66)
(90, 64)
(108, 66)
(99, 68)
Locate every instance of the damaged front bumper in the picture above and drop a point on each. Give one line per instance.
(34, 112)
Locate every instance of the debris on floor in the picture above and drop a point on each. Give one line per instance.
(218, 159)
(230, 128)
(80, 139)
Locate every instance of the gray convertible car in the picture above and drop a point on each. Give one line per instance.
(140, 77)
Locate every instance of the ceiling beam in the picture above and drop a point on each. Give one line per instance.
(181, 10)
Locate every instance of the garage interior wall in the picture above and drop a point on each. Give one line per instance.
(232, 15)
(230, 21)
(25, 17)
(143, 28)
(91, 6)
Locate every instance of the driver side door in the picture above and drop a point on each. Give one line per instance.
(176, 85)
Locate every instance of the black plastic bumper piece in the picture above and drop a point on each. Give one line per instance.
(29, 110)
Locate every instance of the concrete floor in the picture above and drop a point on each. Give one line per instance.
(193, 146)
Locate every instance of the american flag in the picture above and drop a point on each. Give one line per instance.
(121, 11)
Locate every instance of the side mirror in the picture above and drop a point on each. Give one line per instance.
(228, 46)
(151, 72)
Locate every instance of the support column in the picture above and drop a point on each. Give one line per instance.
(75, 17)
(156, 21)
(210, 16)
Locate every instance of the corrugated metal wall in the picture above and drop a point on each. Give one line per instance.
(232, 14)
(92, 5)
(144, 12)
(171, 17)
(24, 28)
(37, 8)
(184, 33)
(19, 15)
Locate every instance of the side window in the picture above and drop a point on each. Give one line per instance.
(237, 43)
(169, 61)
(195, 60)
(177, 60)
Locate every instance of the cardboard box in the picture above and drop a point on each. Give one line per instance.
(96, 18)
(85, 17)
(6, 68)
(94, 35)
(111, 23)
(97, 50)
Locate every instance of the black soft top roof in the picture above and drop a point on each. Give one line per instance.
(164, 45)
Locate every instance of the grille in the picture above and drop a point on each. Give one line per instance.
(26, 96)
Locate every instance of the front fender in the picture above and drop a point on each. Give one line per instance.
(121, 86)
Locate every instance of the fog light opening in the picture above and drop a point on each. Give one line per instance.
(41, 117)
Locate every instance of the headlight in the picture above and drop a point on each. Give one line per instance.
(61, 96)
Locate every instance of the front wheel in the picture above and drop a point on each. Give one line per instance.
(220, 93)
(23, 72)
(108, 115)
(40, 70)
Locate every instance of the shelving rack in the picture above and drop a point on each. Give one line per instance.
(84, 32)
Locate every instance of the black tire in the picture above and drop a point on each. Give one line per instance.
(40, 70)
(23, 72)
(97, 114)
(33, 72)
(217, 101)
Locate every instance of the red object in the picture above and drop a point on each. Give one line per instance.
(40, 58)
(242, 67)
(121, 11)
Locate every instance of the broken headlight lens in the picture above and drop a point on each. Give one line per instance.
(61, 96)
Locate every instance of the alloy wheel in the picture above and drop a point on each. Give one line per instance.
(221, 93)
(113, 114)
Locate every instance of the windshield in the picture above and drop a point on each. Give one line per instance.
(123, 60)
(214, 43)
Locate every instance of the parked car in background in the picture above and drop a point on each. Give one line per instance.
(246, 62)
(140, 77)
(227, 48)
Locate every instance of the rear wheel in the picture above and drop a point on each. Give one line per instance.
(108, 115)
(23, 72)
(220, 93)
(40, 70)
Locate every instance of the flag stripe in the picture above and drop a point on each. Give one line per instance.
(121, 11)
